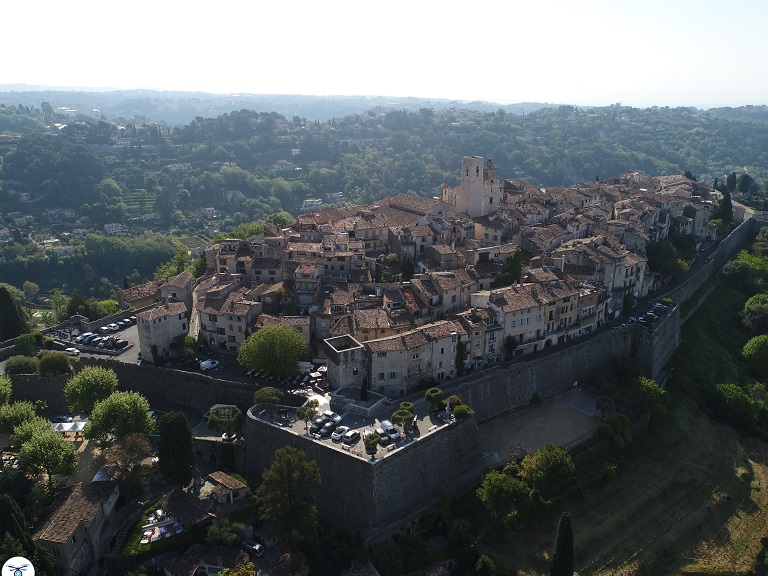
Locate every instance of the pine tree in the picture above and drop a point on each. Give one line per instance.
(562, 559)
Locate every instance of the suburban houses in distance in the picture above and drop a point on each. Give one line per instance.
(408, 279)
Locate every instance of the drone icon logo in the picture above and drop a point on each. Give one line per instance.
(18, 566)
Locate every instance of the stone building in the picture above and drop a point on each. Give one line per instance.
(159, 327)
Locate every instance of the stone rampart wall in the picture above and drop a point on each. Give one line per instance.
(373, 495)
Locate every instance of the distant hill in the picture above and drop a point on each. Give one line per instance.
(176, 108)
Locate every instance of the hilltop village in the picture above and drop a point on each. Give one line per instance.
(505, 267)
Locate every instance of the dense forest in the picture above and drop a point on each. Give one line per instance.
(248, 165)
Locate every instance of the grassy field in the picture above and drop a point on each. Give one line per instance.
(692, 494)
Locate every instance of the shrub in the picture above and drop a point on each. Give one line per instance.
(434, 396)
(408, 406)
(25, 345)
(22, 365)
(755, 352)
(462, 412)
(54, 363)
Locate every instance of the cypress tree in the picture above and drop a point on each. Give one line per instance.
(562, 559)
(11, 324)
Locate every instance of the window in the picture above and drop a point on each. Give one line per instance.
(477, 332)
(56, 553)
(381, 354)
(392, 375)
(381, 375)
(231, 338)
(442, 351)
(184, 326)
(220, 331)
(222, 262)
(239, 328)
(212, 317)
(477, 343)
(415, 356)
(440, 364)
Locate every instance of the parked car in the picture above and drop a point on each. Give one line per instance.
(132, 319)
(95, 341)
(317, 424)
(72, 352)
(209, 364)
(120, 344)
(104, 330)
(350, 437)
(62, 418)
(253, 548)
(327, 428)
(390, 430)
(329, 415)
(122, 324)
(83, 337)
(385, 439)
(339, 432)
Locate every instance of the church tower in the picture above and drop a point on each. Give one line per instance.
(479, 192)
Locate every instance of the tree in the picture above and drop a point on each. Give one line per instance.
(50, 454)
(113, 418)
(225, 419)
(89, 386)
(648, 395)
(30, 289)
(59, 304)
(11, 415)
(12, 323)
(485, 566)
(54, 364)
(6, 389)
(737, 273)
(225, 533)
(267, 397)
(307, 412)
(175, 449)
(755, 352)
(13, 528)
(434, 396)
(403, 418)
(286, 497)
(27, 429)
(510, 344)
(25, 345)
(276, 349)
(725, 213)
(22, 365)
(461, 351)
(755, 313)
(562, 559)
(731, 181)
(549, 471)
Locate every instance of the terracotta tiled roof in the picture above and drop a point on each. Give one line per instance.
(75, 505)
(226, 480)
(169, 309)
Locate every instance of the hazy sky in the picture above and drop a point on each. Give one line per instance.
(641, 53)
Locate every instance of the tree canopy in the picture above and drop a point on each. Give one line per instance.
(117, 416)
(286, 496)
(89, 386)
(51, 454)
(276, 349)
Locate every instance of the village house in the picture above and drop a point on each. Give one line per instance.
(71, 529)
(160, 330)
